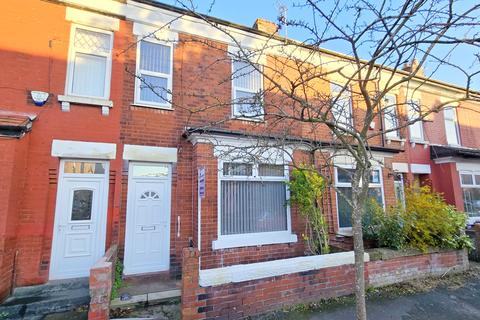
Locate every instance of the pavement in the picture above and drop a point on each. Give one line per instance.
(440, 304)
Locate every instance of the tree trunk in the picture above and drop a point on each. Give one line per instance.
(359, 199)
(361, 310)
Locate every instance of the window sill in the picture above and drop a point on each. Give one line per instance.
(146, 105)
(345, 232)
(248, 119)
(67, 100)
(417, 141)
(395, 139)
(254, 239)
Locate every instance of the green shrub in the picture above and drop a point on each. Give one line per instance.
(386, 228)
(306, 189)
(118, 281)
(431, 222)
(425, 221)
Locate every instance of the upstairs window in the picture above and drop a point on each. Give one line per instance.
(416, 129)
(390, 116)
(451, 126)
(90, 63)
(342, 108)
(247, 91)
(154, 73)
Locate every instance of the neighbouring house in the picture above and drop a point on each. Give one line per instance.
(106, 160)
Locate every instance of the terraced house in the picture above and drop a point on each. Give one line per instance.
(117, 128)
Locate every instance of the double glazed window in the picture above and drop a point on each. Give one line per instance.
(253, 198)
(154, 73)
(390, 116)
(90, 63)
(247, 91)
(451, 126)
(342, 108)
(416, 128)
(343, 183)
(470, 182)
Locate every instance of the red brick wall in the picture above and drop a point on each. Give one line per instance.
(38, 61)
(249, 298)
(12, 180)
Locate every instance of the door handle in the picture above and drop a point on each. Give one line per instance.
(148, 228)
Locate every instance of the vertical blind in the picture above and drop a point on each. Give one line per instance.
(247, 83)
(91, 52)
(155, 72)
(253, 206)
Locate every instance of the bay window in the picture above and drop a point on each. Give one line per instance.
(90, 63)
(470, 183)
(153, 84)
(343, 185)
(247, 87)
(252, 205)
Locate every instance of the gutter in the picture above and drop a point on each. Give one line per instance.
(289, 139)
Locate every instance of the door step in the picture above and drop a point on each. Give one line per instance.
(34, 302)
(147, 299)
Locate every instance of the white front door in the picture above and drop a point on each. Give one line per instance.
(147, 238)
(80, 218)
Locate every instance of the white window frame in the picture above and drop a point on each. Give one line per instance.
(348, 230)
(455, 122)
(71, 62)
(344, 94)
(137, 100)
(391, 134)
(259, 118)
(471, 219)
(419, 122)
(251, 239)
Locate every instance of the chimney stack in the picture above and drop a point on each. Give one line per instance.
(266, 26)
(411, 67)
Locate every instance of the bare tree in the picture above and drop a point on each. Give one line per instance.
(308, 91)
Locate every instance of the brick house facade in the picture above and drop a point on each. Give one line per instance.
(96, 163)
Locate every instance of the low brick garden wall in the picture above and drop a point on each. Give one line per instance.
(101, 281)
(227, 292)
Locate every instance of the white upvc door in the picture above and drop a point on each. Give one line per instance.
(80, 218)
(147, 239)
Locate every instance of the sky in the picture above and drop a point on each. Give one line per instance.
(245, 12)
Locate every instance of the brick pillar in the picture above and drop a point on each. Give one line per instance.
(193, 297)
(100, 291)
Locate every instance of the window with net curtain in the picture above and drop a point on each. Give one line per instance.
(90, 65)
(343, 185)
(154, 73)
(247, 90)
(253, 198)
